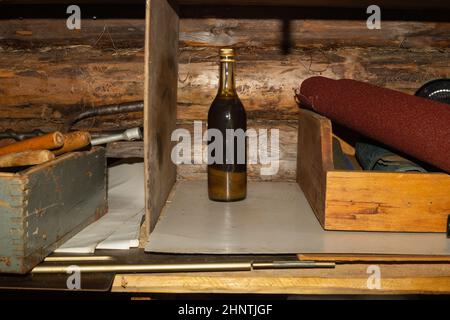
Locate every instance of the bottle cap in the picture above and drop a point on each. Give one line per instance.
(226, 55)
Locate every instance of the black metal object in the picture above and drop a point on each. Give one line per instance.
(107, 110)
(438, 90)
(134, 106)
(19, 136)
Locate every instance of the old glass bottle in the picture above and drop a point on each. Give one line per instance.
(227, 159)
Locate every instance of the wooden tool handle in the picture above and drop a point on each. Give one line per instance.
(45, 142)
(26, 158)
(74, 141)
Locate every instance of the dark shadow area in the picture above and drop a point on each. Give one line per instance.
(136, 10)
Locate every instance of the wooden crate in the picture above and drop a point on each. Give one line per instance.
(43, 206)
(362, 200)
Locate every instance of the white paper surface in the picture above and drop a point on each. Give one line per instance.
(275, 218)
(119, 227)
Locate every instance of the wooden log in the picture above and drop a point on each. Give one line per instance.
(26, 158)
(83, 77)
(125, 149)
(254, 31)
(266, 78)
(287, 152)
(308, 33)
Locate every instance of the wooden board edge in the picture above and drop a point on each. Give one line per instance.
(276, 284)
(160, 104)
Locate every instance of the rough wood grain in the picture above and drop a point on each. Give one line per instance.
(314, 159)
(125, 149)
(345, 279)
(41, 88)
(287, 151)
(241, 28)
(160, 98)
(307, 33)
(103, 63)
(266, 78)
(375, 201)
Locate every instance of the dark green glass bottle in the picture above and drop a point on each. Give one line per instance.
(227, 171)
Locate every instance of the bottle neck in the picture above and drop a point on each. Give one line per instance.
(227, 86)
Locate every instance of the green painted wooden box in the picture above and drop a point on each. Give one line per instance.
(43, 206)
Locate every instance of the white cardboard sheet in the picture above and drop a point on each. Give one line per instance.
(275, 218)
(119, 227)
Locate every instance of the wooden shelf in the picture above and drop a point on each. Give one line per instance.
(345, 279)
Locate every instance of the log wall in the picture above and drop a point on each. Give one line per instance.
(48, 72)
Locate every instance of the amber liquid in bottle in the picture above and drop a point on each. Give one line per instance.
(227, 173)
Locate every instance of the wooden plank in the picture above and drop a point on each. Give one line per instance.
(160, 98)
(102, 64)
(373, 258)
(314, 159)
(345, 279)
(125, 149)
(376, 201)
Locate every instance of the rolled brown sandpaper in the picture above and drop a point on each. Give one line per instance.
(74, 141)
(416, 126)
(45, 142)
(25, 158)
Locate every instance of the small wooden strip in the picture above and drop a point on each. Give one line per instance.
(345, 279)
(354, 258)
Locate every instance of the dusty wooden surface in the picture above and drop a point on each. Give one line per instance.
(160, 98)
(345, 279)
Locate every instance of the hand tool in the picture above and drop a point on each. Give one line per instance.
(45, 142)
(188, 267)
(74, 141)
(26, 158)
(128, 135)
